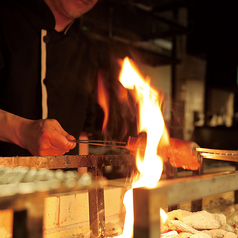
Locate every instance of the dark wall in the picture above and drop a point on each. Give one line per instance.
(213, 36)
(216, 137)
(213, 26)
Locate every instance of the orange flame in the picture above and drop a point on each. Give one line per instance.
(163, 216)
(103, 101)
(150, 121)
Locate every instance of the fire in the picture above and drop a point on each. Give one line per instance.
(163, 216)
(103, 101)
(150, 121)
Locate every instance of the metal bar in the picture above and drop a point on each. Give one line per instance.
(111, 142)
(99, 144)
(19, 224)
(171, 5)
(174, 191)
(172, 23)
(171, 173)
(147, 213)
(232, 158)
(216, 154)
(96, 206)
(68, 161)
(196, 205)
(217, 151)
(102, 143)
(35, 215)
(192, 188)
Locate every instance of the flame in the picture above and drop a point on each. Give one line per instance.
(103, 101)
(163, 216)
(150, 121)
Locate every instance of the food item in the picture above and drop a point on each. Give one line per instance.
(201, 224)
(204, 220)
(181, 226)
(180, 153)
(136, 145)
(183, 154)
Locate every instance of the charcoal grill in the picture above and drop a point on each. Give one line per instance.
(147, 202)
(95, 164)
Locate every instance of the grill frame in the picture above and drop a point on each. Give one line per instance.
(95, 165)
(147, 202)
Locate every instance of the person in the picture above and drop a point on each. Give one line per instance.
(47, 77)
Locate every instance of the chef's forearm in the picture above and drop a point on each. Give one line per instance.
(11, 127)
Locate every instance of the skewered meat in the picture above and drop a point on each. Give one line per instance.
(183, 154)
(180, 153)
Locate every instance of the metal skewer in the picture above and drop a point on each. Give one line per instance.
(100, 141)
(216, 154)
(117, 144)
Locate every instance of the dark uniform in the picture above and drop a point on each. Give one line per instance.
(71, 69)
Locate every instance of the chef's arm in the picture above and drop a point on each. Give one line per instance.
(11, 126)
(39, 137)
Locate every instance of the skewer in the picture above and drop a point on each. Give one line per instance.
(217, 151)
(99, 141)
(216, 154)
(225, 155)
(102, 143)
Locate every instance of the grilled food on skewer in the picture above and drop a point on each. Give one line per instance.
(180, 153)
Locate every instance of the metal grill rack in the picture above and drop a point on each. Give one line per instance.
(38, 190)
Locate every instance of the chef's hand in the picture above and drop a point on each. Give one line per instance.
(47, 137)
(39, 137)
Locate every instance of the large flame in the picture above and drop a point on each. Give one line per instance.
(150, 121)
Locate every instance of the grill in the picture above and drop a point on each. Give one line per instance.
(35, 196)
(147, 202)
(172, 192)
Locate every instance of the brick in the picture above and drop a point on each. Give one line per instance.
(51, 212)
(65, 232)
(73, 208)
(113, 198)
(73, 212)
(6, 223)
